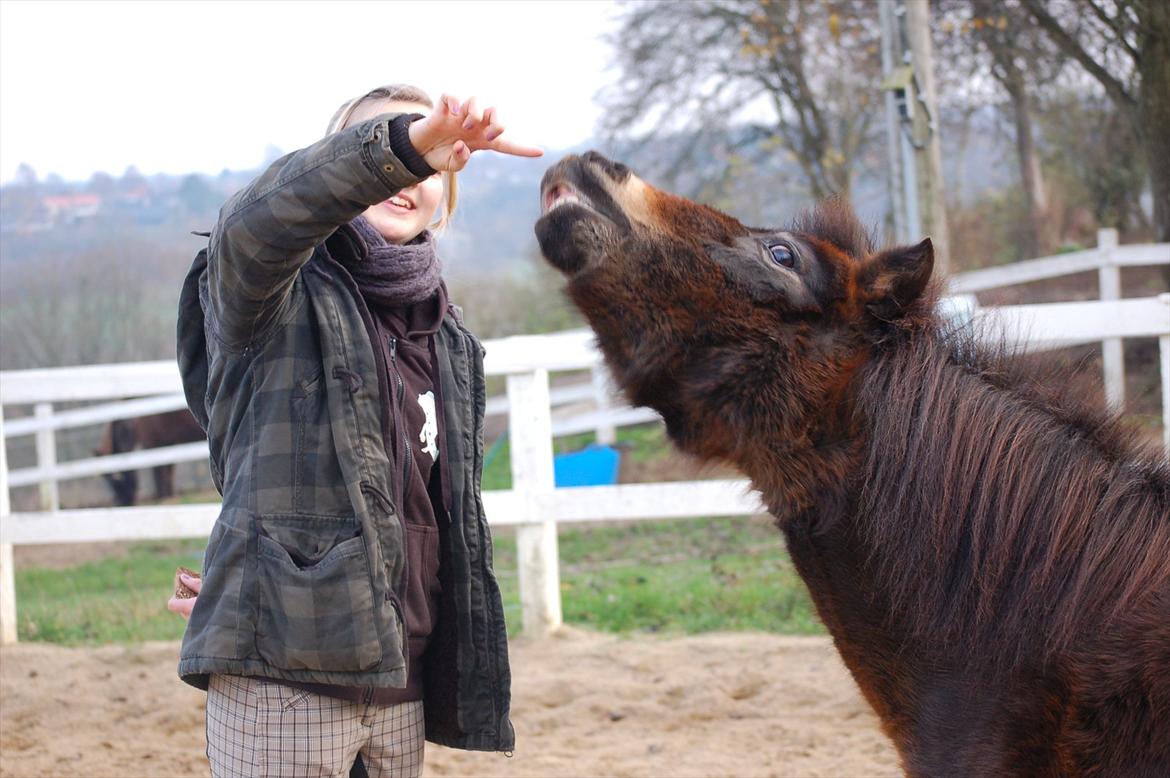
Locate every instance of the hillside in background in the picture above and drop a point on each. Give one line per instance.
(90, 271)
(498, 204)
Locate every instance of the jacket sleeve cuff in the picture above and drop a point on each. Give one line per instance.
(402, 148)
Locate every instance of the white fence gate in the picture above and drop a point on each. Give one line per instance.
(533, 503)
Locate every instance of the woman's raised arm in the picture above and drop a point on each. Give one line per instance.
(269, 229)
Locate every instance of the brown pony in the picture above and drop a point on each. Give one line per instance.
(155, 431)
(991, 558)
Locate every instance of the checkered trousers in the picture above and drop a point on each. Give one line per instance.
(261, 729)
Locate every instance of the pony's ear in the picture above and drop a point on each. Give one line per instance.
(893, 279)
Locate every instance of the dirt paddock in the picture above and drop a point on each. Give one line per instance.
(584, 705)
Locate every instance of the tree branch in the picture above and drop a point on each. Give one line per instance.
(1071, 46)
(1114, 23)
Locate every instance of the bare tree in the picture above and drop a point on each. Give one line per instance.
(1125, 46)
(998, 38)
(1096, 168)
(800, 76)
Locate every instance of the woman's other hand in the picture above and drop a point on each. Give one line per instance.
(184, 605)
(447, 137)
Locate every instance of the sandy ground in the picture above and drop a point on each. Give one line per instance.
(584, 705)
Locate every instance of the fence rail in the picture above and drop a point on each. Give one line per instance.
(96, 414)
(1055, 325)
(533, 505)
(583, 504)
(1107, 259)
(1062, 265)
(49, 471)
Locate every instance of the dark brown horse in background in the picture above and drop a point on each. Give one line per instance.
(991, 558)
(155, 431)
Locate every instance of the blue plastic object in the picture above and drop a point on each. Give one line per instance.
(594, 465)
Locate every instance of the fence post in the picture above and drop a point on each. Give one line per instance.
(7, 573)
(530, 434)
(47, 457)
(1112, 355)
(1164, 354)
(606, 434)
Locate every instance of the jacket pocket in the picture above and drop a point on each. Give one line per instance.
(316, 597)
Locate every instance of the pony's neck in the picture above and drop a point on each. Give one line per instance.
(792, 472)
(790, 431)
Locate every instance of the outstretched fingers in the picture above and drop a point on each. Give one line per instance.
(467, 129)
(492, 131)
(504, 146)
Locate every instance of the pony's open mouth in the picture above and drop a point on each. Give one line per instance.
(566, 229)
(560, 194)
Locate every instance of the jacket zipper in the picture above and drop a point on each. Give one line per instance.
(400, 423)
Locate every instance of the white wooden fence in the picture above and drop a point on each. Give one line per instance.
(582, 407)
(533, 504)
(1107, 259)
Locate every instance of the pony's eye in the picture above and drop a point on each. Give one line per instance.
(782, 255)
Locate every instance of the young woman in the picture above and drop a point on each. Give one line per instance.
(347, 604)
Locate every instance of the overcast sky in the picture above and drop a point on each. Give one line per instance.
(178, 87)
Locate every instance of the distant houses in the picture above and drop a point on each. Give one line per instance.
(69, 208)
(36, 207)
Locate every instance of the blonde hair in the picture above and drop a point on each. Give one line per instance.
(404, 93)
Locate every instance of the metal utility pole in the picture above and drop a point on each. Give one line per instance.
(915, 155)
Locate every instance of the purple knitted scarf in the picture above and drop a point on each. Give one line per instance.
(391, 274)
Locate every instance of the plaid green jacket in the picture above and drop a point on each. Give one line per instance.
(303, 570)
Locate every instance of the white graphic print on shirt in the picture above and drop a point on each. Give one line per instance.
(429, 435)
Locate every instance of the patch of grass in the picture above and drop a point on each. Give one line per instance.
(198, 498)
(679, 576)
(644, 442)
(497, 465)
(116, 600)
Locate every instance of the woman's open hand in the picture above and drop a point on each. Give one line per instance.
(184, 605)
(447, 137)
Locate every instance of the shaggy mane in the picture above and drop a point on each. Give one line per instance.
(835, 221)
(1031, 520)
